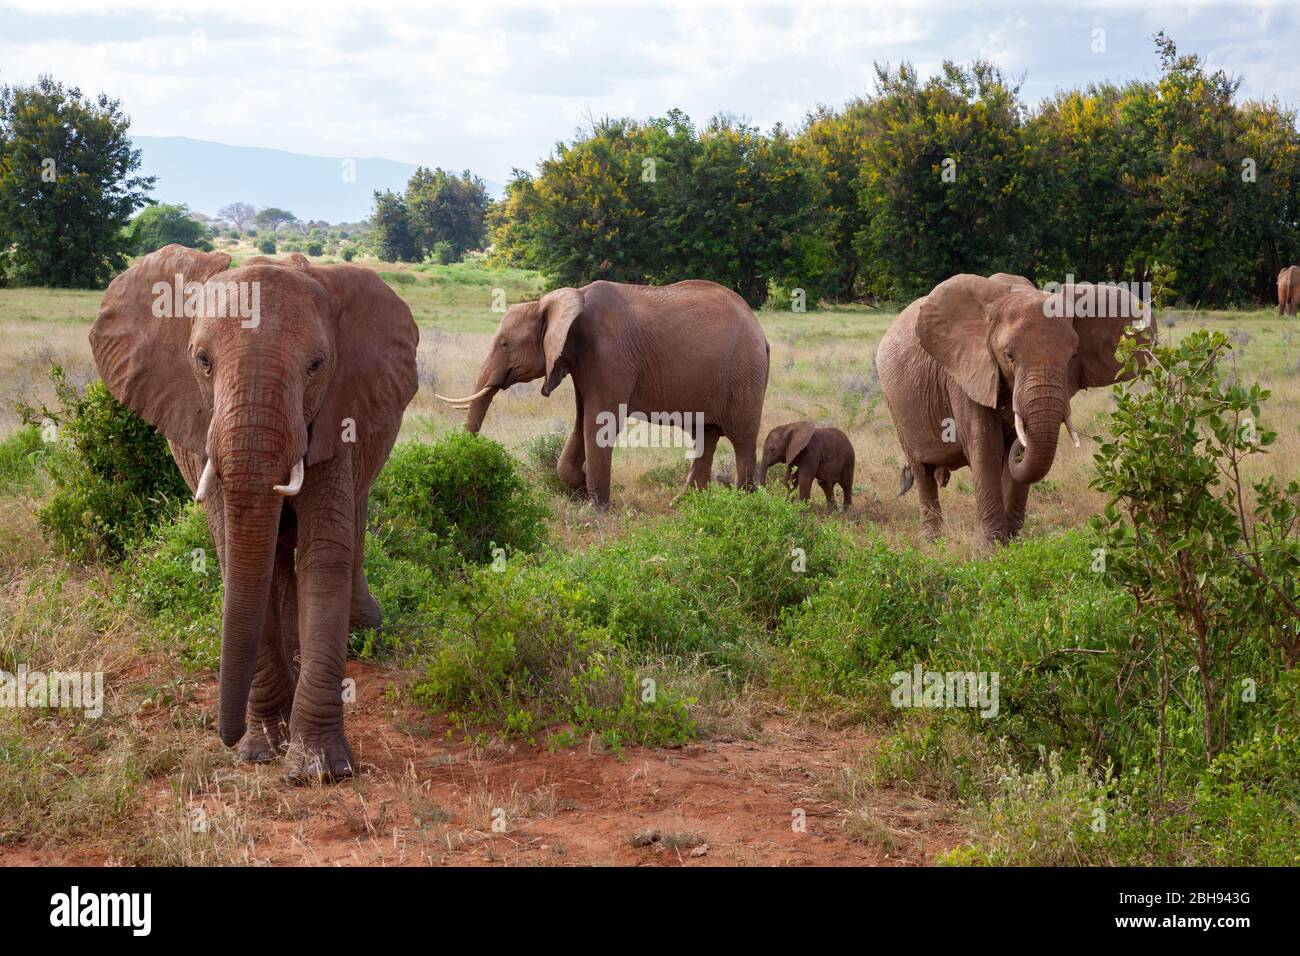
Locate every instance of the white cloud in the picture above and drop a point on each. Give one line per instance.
(490, 85)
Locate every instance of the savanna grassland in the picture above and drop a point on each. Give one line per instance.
(774, 698)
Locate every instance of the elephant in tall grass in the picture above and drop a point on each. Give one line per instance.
(980, 372)
(1288, 290)
(280, 387)
(690, 353)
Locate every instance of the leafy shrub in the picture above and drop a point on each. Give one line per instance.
(314, 249)
(544, 450)
(266, 247)
(876, 616)
(21, 457)
(712, 579)
(444, 253)
(463, 493)
(349, 253)
(524, 656)
(176, 580)
(115, 478)
(1210, 572)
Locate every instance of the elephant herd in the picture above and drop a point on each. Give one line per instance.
(281, 416)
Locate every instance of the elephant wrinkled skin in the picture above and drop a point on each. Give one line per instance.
(280, 425)
(981, 371)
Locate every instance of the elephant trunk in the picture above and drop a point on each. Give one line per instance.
(1041, 407)
(763, 468)
(251, 464)
(478, 410)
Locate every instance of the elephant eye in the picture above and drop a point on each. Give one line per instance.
(205, 363)
(316, 364)
(505, 344)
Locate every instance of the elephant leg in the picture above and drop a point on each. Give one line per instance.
(569, 467)
(846, 485)
(318, 749)
(365, 611)
(828, 488)
(599, 458)
(746, 448)
(270, 700)
(1015, 496)
(805, 483)
(928, 491)
(702, 466)
(987, 452)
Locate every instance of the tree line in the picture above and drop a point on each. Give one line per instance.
(1171, 181)
(1174, 181)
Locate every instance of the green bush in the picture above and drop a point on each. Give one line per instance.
(266, 247)
(114, 479)
(462, 495)
(878, 615)
(176, 580)
(22, 457)
(349, 253)
(712, 579)
(519, 653)
(315, 249)
(444, 253)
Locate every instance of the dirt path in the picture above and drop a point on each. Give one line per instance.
(425, 797)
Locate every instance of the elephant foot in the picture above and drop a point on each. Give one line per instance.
(323, 761)
(366, 615)
(263, 741)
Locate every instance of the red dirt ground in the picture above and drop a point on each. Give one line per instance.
(424, 797)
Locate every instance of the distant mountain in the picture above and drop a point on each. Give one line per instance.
(206, 176)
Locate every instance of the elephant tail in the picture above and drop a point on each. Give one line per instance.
(904, 481)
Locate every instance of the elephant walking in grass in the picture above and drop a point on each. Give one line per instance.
(1288, 290)
(691, 353)
(980, 372)
(824, 455)
(280, 387)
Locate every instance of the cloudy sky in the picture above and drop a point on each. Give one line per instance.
(492, 85)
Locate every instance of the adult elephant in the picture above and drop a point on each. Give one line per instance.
(981, 371)
(692, 348)
(1288, 290)
(279, 416)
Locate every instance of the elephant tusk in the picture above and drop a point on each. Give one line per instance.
(205, 481)
(1020, 432)
(1069, 427)
(295, 481)
(462, 402)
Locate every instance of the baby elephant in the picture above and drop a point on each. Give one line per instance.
(825, 454)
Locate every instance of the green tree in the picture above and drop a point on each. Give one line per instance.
(271, 217)
(391, 234)
(944, 186)
(68, 185)
(160, 225)
(444, 208)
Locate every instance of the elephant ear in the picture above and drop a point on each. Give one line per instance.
(140, 341)
(797, 438)
(1006, 278)
(375, 339)
(557, 311)
(1101, 329)
(953, 325)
